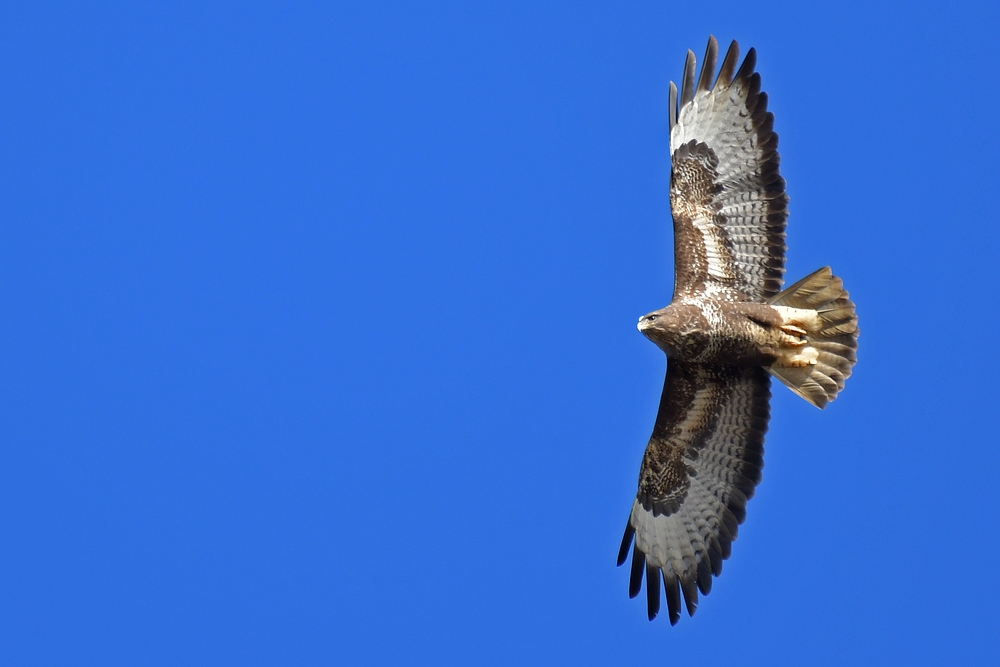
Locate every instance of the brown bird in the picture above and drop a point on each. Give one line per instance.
(725, 332)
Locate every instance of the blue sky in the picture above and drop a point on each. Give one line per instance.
(318, 334)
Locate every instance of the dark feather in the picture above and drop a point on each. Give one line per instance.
(626, 542)
(687, 82)
(635, 577)
(762, 106)
(715, 555)
(673, 597)
(768, 145)
(672, 105)
(690, 594)
(728, 65)
(753, 92)
(704, 577)
(729, 524)
(746, 69)
(738, 510)
(652, 591)
(708, 65)
(725, 546)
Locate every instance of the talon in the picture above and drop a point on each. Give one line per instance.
(793, 330)
(792, 341)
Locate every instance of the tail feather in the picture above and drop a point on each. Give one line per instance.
(831, 332)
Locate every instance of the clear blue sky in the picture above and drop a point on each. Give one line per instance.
(318, 346)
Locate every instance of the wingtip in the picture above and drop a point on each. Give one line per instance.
(749, 63)
(672, 105)
(626, 543)
(728, 65)
(690, 590)
(673, 598)
(635, 577)
(687, 82)
(708, 64)
(652, 591)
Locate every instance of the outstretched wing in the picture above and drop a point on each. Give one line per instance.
(727, 197)
(700, 468)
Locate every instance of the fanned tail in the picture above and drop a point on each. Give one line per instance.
(819, 305)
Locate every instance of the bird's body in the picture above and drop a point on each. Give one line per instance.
(738, 333)
(726, 331)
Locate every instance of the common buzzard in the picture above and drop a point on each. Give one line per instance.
(727, 329)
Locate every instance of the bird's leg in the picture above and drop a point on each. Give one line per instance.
(796, 352)
(793, 330)
(792, 336)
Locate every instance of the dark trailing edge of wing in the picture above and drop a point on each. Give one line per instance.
(704, 577)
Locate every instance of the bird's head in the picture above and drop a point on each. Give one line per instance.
(675, 329)
(658, 325)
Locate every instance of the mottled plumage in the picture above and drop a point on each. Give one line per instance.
(725, 332)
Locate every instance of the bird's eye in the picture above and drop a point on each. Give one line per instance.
(652, 318)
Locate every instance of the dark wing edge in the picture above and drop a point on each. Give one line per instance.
(727, 196)
(700, 468)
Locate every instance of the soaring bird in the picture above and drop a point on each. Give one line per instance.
(728, 328)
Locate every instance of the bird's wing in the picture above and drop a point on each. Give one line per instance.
(726, 195)
(700, 468)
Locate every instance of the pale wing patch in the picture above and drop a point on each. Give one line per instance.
(701, 246)
(717, 254)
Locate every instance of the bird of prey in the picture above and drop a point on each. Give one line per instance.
(727, 329)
